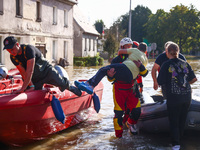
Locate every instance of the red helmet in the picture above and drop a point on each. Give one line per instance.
(135, 44)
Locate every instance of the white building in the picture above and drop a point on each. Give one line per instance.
(46, 24)
(85, 36)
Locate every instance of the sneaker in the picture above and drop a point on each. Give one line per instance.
(75, 90)
(132, 128)
(176, 147)
(84, 86)
(76, 83)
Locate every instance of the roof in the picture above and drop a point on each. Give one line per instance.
(81, 20)
(69, 2)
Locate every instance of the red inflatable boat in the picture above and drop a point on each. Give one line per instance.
(27, 117)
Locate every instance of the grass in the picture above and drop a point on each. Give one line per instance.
(190, 57)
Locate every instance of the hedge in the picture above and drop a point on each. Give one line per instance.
(88, 61)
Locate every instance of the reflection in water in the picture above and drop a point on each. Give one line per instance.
(98, 131)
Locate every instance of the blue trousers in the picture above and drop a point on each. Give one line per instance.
(122, 74)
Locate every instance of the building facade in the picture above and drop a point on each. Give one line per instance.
(46, 24)
(85, 35)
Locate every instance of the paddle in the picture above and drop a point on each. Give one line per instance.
(96, 102)
(57, 109)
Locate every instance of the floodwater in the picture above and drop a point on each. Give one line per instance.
(97, 133)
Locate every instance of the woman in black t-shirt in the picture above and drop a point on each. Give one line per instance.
(158, 63)
(177, 75)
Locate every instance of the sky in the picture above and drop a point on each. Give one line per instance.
(110, 10)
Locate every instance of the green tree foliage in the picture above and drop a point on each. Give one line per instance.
(140, 17)
(194, 43)
(89, 61)
(111, 45)
(124, 24)
(182, 22)
(117, 31)
(180, 25)
(155, 27)
(99, 25)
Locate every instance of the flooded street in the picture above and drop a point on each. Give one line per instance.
(98, 131)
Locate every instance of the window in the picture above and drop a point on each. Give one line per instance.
(85, 44)
(89, 44)
(19, 8)
(18, 40)
(94, 45)
(38, 12)
(54, 50)
(1, 50)
(54, 15)
(42, 48)
(1, 7)
(65, 49)
(65, 18)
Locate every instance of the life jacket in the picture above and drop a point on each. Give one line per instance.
(16, 60)
(39, 68)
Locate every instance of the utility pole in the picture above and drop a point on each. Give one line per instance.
(129, 31)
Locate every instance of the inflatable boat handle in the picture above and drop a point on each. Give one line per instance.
(191, 123)
(52, 92)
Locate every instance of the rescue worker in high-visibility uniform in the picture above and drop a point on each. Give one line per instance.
(127, 71)
(126, 96)
(121, 58)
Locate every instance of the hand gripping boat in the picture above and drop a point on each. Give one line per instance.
(27, 117)
(154, 115)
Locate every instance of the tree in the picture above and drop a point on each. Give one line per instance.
(110, 45)
(99, 25)
(182, 25)
(140, 17)
(117, 31)
(155, 28)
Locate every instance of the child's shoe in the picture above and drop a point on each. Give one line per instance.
(84, 86)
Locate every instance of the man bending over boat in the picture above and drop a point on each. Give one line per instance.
(126, 72)
(177, 75)
(34, 69)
